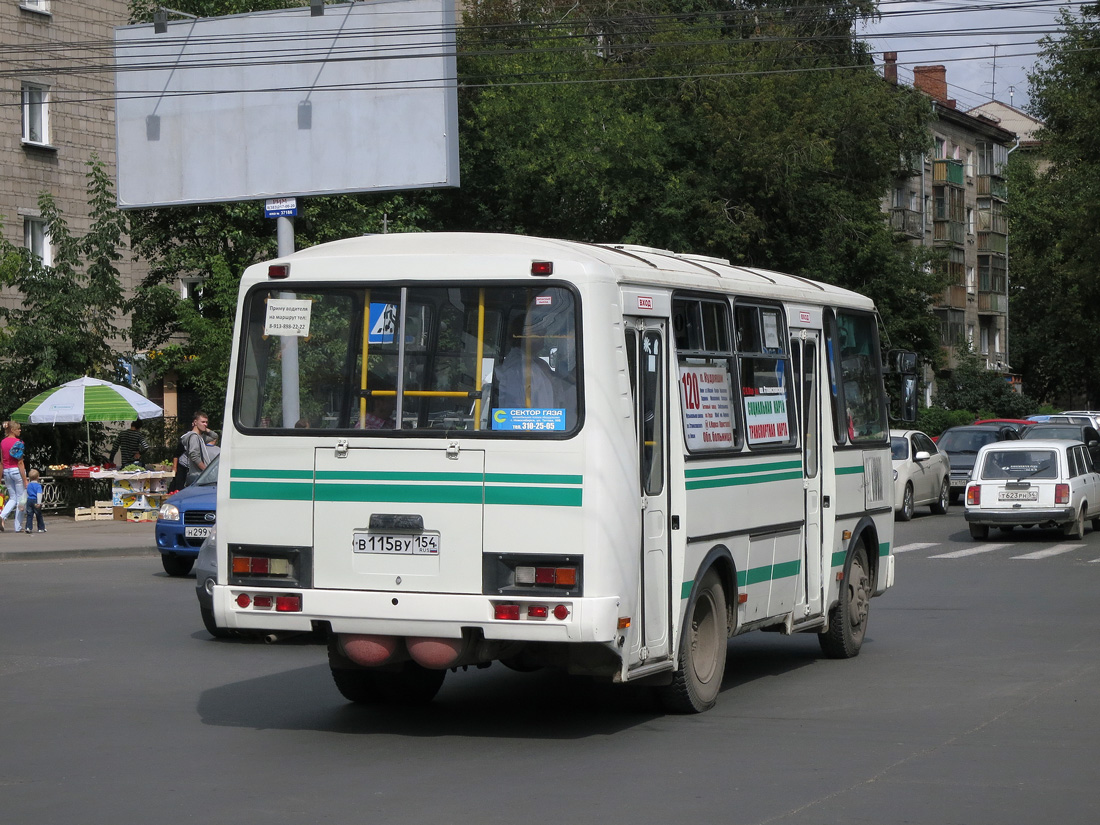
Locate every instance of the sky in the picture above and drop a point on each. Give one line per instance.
(988, 46)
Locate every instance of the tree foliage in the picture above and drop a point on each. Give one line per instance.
(970, 386)
(756, 131)
(1054, 214)
(65, 322)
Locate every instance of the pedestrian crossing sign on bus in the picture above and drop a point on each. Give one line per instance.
(383, 324)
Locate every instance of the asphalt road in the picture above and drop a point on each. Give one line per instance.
(974, 701)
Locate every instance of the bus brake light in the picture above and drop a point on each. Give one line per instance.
(506, 611)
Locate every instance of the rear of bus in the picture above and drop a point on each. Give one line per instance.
(407, 451)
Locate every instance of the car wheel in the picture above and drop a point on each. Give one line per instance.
(906, 511)
(1076, 528)
(848, 619)
(176, 565)
(979, 532)
(941, 504)
(702, 659)
(212, 626)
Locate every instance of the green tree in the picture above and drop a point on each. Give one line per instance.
(64, 324)
(981, 392)
(1054, 215)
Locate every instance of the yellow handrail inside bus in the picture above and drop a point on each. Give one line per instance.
(363, 366)
(480, 355)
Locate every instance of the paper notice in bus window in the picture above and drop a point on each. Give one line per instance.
(287, 317)
(708, 409)
(534, 420)
(766, 418)
(771, 330)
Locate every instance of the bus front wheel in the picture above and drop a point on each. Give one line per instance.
(848, 619)
(702, 660)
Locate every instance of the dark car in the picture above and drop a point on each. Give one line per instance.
(1018, 424)
(185, 519)
(962, 444)
(1084, 433)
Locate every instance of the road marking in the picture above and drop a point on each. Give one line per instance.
(1056, 550)
(971, 551)
(920, 545)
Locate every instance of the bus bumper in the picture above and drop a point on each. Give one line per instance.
(403, 614)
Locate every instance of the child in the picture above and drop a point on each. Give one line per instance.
(34, 496)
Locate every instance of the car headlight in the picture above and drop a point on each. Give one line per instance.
(169, 512)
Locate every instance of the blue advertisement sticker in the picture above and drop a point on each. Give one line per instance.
(521, 420)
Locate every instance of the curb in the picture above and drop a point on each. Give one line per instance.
(85, 553)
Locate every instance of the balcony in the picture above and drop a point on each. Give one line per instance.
(992, 303)
(953, 297)
(992, 242)
(907, 222)
(945, 232)
(948, 171)
(991, 187)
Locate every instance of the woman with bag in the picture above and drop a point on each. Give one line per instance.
(15, 474)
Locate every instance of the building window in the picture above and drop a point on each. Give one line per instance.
(970, 163)
(970, 220)
(36, 5)
(36, 115)
(36, 238)
(985, 341)
(971, 285)
(941, 148)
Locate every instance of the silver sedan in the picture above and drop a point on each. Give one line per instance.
(922, 474)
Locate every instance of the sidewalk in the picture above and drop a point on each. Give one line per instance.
(66, 538)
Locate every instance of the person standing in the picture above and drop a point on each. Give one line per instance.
(15, 474)
(130, 445)
(34, 503)
(195, 456)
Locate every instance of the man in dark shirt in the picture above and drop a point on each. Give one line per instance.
(131, 445)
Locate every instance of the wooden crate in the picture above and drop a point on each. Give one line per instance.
(84, 514)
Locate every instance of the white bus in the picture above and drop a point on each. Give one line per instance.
(448, 449)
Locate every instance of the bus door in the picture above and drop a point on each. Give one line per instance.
(647, 348)
(805, 353)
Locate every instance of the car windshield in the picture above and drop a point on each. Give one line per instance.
(209, 476)
(1064, 433)
(1020, 464)
(966, 441)
(899, 448)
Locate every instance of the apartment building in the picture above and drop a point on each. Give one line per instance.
(953, 200)
(56, 110)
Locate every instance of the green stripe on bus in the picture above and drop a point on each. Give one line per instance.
(273, 491)
(685, 589)
(538, 496)
(737, 482)
(883, 549)
(849, 471)
(769, 572)
(736, 469)
(275, 474)
(839, 557)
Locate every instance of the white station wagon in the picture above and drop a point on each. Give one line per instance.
(1033, 482)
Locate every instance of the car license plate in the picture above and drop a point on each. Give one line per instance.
(1018, 495)
(420, 544)
(198, 532)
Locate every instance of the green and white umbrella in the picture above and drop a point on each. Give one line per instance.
(86, 399)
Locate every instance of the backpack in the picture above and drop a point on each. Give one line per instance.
(16, 451)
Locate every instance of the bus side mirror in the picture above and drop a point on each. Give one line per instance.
(903, 384)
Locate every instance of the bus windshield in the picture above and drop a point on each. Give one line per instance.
(493, 359)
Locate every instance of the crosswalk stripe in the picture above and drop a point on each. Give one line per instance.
(970, 551)
(920, 545)
(1056, 550)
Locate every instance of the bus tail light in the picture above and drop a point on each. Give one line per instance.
(532, 575)
(288, 604)
(506, 611)
(974, 495)
(1061, 494)
(538, 611)
(278, 271)
(260, 566)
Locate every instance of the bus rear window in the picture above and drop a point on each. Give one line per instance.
(493, 359)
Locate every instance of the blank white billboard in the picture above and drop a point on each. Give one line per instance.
(284, 103)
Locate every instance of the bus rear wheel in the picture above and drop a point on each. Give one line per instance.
(411, 685)
(848, 619)
(702, 660)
